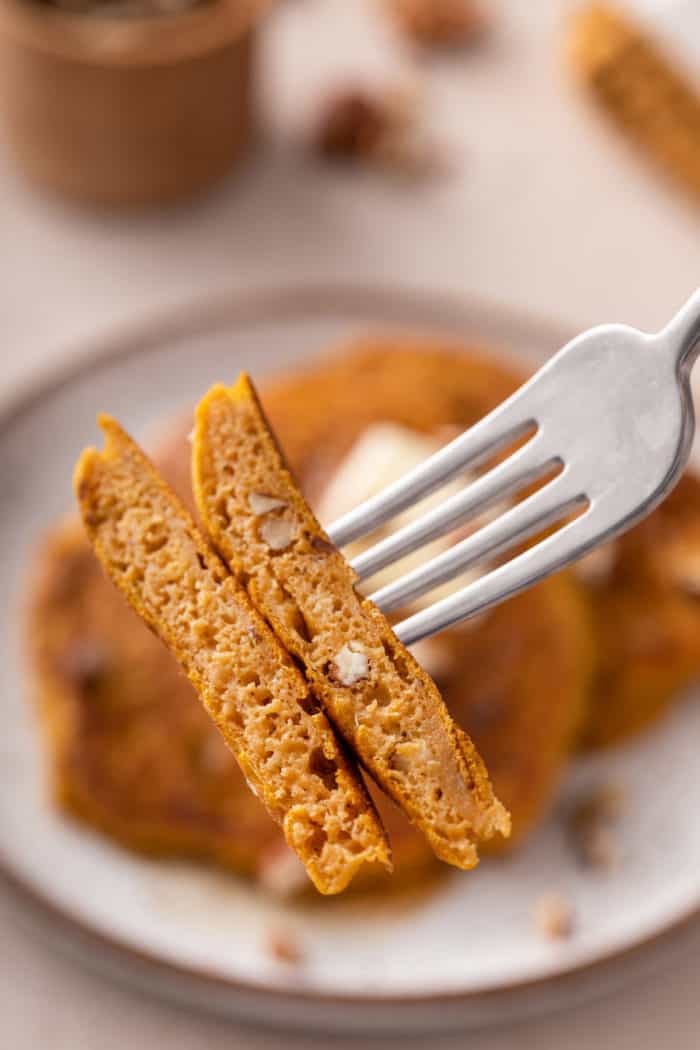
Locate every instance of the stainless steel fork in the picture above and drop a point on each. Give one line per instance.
(611, 413)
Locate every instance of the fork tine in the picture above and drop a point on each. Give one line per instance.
(525, 465)
(551, 554)
(487, 437)
(542, 508)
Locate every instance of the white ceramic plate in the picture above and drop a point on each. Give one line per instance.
(469, 952)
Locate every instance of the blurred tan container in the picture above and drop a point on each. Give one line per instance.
(127, 111)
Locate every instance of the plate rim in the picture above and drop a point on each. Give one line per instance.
(207, 315)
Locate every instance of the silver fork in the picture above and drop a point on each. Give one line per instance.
(611, 412)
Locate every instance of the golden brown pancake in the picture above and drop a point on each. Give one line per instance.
(107, 687)
(645, 606)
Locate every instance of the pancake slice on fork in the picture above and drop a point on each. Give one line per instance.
(151, 548)
(386, 707)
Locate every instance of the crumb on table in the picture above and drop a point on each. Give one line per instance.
(383, 130)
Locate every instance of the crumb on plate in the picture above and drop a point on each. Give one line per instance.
(284, 947)
(555, 916)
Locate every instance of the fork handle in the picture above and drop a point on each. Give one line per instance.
(681, 335)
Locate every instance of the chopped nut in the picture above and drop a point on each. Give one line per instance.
(280, 872)
(261, 503)
(351, 126)
(285, 947)
(350, 665)
(386, 131)
(440, 23)
(278, 533)
(554, 916)
(591, 827)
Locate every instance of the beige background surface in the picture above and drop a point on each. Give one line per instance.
(545, 209)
